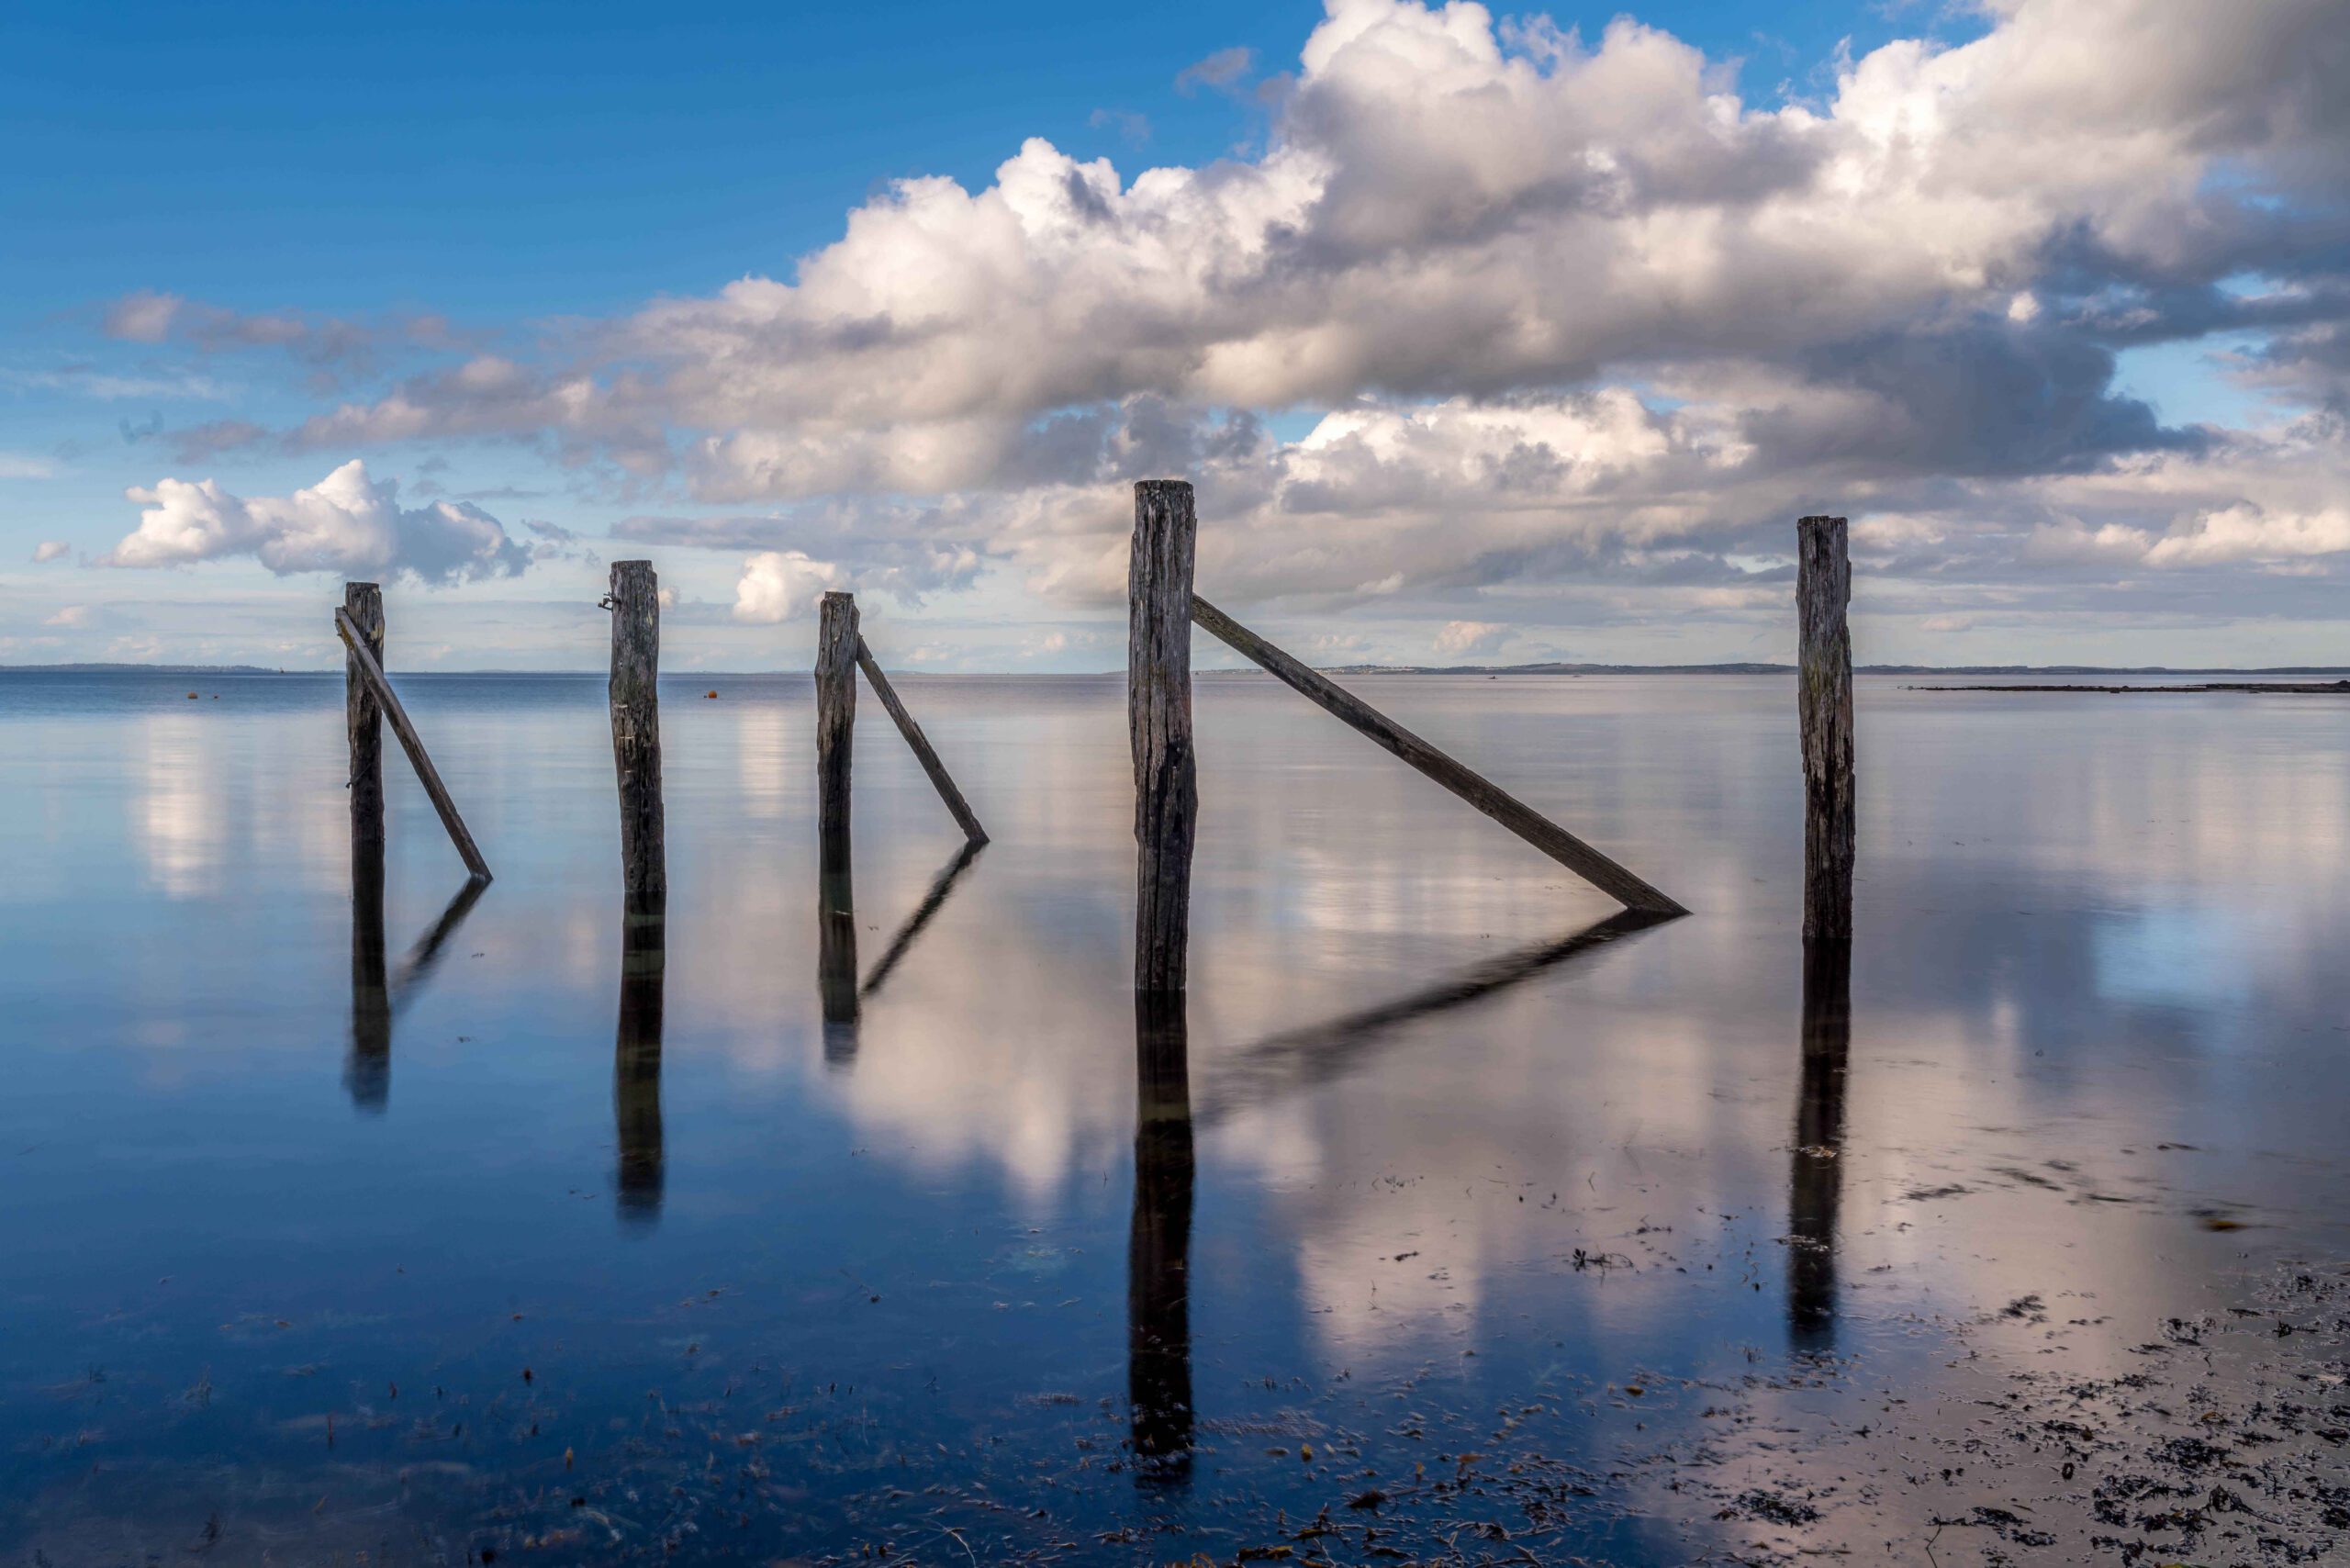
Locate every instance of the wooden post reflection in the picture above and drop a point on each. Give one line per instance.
(1159, 1247)
(367, 1072)
(1816, 1176)
(837, 963)
(636, 1065)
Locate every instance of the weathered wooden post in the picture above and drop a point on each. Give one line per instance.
(1824, 677)
(1816, 1176)
(1159, 714)
(641, 1175)
(363, 717)
(836, 646)
(634, 692)
(361, 658)
(1158, 1243)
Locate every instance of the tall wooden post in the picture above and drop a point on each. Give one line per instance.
(368, 1074)
(1824, 677)
(1159, 714)
(1158, 1244)
(836, 646)
(636, 697)
(363, 718)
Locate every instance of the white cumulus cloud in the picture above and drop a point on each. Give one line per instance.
(782, 584)
(347, 522)
(1578, 315)
(1461, 637)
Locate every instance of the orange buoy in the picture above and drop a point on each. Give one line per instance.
(709, 695)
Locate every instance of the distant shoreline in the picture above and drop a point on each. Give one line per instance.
(2291, 688)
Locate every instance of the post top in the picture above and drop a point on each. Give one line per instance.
(1142, 485)
(625, 566)
(830, 594)
(1807, 521)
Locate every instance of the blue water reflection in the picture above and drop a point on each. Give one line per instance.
(530, 1210)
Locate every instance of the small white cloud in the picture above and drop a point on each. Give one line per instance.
(25, 465)
(74, 616)
(782, 584)
(50, 549)
(1134, 127)
(1221, 69)
(346, 522)
(1470, 637)
(145, 317)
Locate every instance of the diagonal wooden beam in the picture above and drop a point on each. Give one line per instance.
(959, 808)
(1496, 802)
(372, 673)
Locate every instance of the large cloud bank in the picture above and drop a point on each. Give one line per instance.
(1570, 311)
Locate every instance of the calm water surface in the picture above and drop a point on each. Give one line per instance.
(1436, 1193)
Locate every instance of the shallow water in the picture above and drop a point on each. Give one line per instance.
(563, 1263)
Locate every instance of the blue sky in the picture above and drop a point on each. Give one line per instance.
(524, 178)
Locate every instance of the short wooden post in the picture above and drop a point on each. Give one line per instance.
(635, 700)
(641, 1175)
(1158, 715)
(1816, 1176)
(836, 643)
(362, 718)
(1158, 1243)
(1824, 677)
(388, 701)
